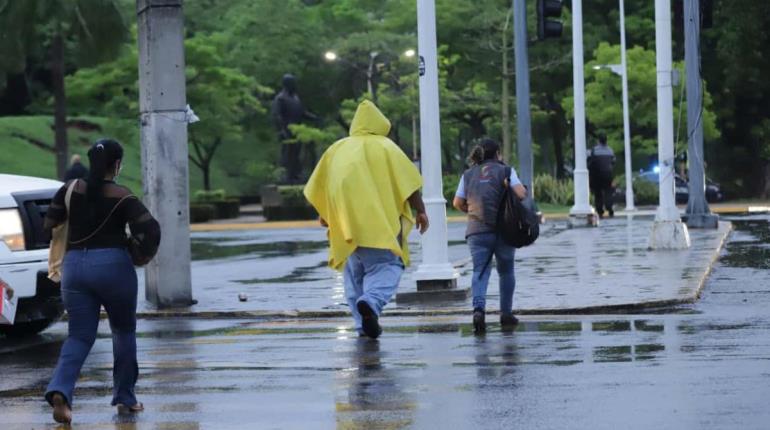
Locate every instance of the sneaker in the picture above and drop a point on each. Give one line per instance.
(479, 325)
(369, 320)
(508, 322)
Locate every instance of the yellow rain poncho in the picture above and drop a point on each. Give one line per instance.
(361, 186)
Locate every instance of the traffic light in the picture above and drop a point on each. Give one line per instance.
(547, 28)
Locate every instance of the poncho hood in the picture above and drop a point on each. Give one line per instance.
(361, 186)
(368, 120)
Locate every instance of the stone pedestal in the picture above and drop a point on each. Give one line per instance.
(432, 291)
(703, 220)
(584, 220)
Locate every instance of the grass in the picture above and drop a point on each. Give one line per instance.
(26, 148)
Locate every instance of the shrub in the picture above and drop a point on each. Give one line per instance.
(645, 192)
(293, 205)
(551, 190)
(224, 207)
(227, 209)
(450, 187)
(201, 212)
(203, 196)
(293, 195)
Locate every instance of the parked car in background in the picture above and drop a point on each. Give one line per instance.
(681, 188)
(24, 246)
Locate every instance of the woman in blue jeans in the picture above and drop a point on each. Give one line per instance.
(479, 195)
(99, 271)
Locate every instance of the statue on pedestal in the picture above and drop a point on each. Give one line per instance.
(287, 109)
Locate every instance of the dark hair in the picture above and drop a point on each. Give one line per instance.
(103, 155)
(487, 149)
(603, 139)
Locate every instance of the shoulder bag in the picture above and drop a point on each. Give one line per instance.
(59, 236)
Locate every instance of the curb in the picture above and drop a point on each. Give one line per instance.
(629, 308)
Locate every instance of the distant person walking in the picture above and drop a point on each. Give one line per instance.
(77, 170)
(601, 162)
(97, 271)
(364, 188)
(479, 194)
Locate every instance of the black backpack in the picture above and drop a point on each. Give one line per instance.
(518, 221)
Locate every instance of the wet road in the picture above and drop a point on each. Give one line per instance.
(705, 366)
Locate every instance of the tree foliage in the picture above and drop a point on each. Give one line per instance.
(239, 50)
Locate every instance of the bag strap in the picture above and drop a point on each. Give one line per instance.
(107, 218)
(68, 196)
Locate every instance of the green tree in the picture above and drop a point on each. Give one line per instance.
(735, 64)
(604, 109)
(223, 97)
(76, 32)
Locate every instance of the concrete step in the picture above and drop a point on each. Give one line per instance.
(433, 296)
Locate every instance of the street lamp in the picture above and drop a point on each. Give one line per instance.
(332, 56)
(410, 53)
(618, 69)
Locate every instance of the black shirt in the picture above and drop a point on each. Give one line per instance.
(116, 208)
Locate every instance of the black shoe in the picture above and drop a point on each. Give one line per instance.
(369, 320)
(479, 325)
(612, 213)
(508, 322)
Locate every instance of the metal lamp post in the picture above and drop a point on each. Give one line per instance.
(620, 70)
(626, 122)
(332, 56)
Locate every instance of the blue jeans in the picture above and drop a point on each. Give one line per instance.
(483, 246)
(371, 275)
(92, 278)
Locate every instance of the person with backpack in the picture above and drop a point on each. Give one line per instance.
(98, 270)
(480, 194)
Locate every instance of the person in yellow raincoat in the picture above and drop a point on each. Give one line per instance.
(364, 189)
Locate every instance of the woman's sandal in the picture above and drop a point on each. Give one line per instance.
(125, 410)
(61, 411)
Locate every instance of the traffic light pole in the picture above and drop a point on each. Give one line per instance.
(523, 122)
(698, 213)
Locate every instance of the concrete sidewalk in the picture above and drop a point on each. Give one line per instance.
(283, 272)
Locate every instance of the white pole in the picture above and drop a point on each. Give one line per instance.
(435, 264)
(668, 231)
(626, 123)
(582, 206)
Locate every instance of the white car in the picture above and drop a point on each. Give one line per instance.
(24, 245)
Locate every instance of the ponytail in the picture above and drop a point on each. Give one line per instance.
(102, 156)
(486, 150)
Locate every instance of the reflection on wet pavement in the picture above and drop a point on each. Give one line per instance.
(703, 366)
